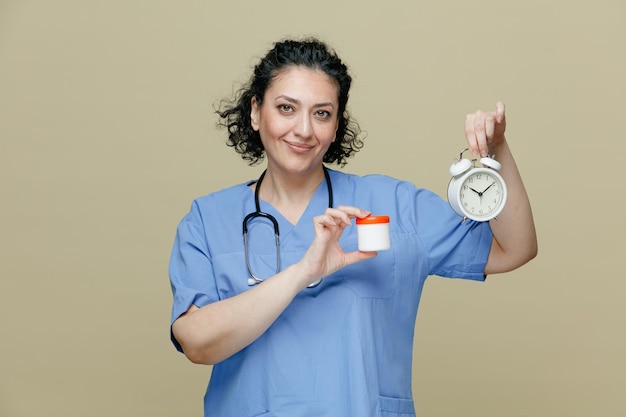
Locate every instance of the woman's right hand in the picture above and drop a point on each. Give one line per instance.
(325, 254)
(218, 330)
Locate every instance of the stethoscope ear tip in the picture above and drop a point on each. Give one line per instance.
(251, 281)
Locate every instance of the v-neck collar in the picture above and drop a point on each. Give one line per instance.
(317, 205)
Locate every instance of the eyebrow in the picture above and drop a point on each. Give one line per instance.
(294, 101)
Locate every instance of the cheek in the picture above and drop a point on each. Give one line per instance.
(326, 132)
(274, 129)
(329, 133)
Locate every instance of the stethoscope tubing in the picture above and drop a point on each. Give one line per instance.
(253, 279)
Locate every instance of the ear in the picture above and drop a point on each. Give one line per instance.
(254, 113)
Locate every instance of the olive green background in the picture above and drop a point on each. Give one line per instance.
(107, 133)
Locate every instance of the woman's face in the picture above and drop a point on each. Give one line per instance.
(298, 119)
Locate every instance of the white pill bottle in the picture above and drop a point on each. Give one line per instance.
(373, 233)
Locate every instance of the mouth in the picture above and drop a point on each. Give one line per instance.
(299, 147)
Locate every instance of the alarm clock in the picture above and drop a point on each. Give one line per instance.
(477, 193)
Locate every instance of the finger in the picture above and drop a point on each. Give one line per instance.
(490, 126)
(500, 112)
(481, 135)
(337, 216)
(470, 135)
(326, 220)
(358, 256)
(354, 211)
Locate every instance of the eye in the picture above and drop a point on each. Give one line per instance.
(285, 108)
(323, 114)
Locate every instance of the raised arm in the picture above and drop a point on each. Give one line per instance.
(514, 235)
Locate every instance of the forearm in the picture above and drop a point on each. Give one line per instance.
(218, 330)
(515, 240)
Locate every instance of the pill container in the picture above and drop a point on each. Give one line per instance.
(373, 233)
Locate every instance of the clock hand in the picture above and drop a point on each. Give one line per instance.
(488, 188)
(477, 192)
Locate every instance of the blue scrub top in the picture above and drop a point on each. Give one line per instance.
(343, 348)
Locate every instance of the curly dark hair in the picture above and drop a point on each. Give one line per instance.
(309, 53)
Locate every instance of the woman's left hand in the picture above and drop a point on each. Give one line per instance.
(484, 130)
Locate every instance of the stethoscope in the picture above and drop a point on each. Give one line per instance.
(253, 280)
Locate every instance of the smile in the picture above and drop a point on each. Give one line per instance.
(299, 147)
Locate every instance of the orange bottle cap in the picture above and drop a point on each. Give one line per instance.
(373, 220)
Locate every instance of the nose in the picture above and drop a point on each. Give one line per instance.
(303, 126)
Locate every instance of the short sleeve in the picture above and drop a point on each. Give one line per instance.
(455, 249)
(190, 268)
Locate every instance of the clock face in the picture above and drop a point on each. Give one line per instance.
(482, 195)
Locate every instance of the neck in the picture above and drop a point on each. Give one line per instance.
(290, 193)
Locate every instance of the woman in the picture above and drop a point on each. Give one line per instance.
(282, 342)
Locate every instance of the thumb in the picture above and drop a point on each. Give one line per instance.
(358, 256)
